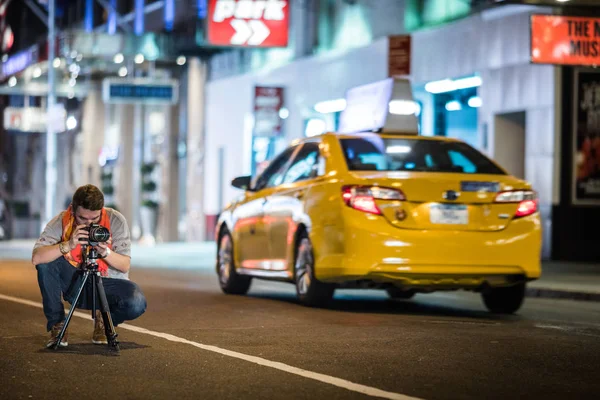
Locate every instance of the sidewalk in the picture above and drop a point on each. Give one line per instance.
(576, 281)
(180, 255)
(560, 280)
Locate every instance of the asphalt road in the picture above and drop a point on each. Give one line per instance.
(200, 344)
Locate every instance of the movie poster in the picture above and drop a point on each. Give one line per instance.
(586, 142)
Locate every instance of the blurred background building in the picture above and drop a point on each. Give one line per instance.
(162, 103)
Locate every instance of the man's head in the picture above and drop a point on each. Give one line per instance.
(87, 204)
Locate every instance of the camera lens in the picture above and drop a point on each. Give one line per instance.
(99, 234)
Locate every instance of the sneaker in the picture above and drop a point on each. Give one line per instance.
(99, 336)
(54, 332)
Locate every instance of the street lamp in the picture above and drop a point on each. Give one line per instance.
(50, 134)
(71, 123)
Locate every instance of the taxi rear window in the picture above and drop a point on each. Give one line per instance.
(386, 154)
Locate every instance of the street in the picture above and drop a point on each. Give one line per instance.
(195, 342)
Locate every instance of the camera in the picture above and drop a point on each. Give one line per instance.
(97, 234)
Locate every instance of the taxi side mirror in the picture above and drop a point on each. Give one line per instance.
(242, 182)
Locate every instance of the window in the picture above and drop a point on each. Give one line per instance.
(374, 153)
(460, 160)
(273, 174)
(305, 164)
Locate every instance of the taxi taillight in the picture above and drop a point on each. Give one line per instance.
(363, 198)
(527, 201)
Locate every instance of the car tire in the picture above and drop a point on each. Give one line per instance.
(310, 291)
(230, 281)
(397, 293)
(504, 300)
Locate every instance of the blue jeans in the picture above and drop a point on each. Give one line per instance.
(125, 299)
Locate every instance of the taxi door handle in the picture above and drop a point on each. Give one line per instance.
(299, 195)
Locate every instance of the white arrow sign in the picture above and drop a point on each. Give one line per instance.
(261, 32)
(253, 32)
(242, 31)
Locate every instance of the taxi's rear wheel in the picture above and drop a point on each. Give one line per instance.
(310, 291)
(230, 281)
(504, 300)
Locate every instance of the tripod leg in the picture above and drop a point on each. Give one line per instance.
(94, 296)
(55, 346)
(109, 328)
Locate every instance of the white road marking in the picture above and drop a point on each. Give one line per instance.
(586, 324)
(571, 329)
(479, 323)
(557, 327)
(331, 380)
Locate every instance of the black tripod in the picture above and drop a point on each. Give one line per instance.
(89, 266)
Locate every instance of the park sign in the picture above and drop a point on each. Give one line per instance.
(248, 23)
(564, 40)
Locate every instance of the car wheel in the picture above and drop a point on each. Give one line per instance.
(310, 291)
(397, 293)
(504, 300)
(230, 281)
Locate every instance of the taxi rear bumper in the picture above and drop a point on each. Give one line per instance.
(375, 252)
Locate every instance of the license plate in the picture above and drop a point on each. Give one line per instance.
(449, 214)
(470, 186)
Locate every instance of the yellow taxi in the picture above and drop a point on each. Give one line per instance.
(404, 213)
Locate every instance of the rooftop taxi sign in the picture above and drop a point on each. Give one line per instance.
(385, 106)
(248, 23)
(565, 40)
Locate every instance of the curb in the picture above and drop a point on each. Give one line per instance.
(561, 294)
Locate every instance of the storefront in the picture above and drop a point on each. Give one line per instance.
(576, 212)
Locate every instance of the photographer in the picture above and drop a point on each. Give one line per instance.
(57, 254)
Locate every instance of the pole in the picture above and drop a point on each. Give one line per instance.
(50, 134)
(196, 86)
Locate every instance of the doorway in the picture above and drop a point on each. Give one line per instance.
(509, 142)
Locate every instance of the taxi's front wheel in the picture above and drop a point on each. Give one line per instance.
(504, 300)
(310, 291)
(230, 281)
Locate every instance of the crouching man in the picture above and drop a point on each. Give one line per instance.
(57, 256)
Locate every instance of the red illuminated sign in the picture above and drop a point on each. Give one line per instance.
(399, 55)
(268, 102)
(248, 23)
(565, 40)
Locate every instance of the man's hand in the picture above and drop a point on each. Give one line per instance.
(114, 260)
(78, 233)
(102, 247)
